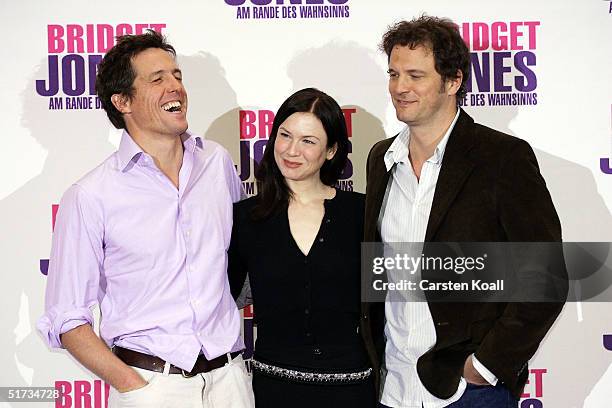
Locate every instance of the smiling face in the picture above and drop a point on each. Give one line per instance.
(300, 147)
(159, 103)
(419, 95)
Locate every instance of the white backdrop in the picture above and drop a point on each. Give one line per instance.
(555, 54)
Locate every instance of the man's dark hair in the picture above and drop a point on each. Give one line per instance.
(274, 193)
(441, 36)
(116, 74)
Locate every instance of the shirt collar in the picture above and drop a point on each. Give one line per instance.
(130, 151)
(398, 151)
(191, 141)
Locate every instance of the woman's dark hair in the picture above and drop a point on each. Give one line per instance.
(116, 74)
(441, 36)
(273, 192)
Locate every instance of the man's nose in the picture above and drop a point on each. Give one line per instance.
(174, 84)
(401, 85)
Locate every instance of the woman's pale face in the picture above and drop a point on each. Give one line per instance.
(300, 148)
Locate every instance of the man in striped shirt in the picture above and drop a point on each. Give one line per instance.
(445, 178)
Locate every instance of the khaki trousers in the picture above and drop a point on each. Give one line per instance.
(225, 387)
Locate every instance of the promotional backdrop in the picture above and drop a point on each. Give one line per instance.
(540, 71)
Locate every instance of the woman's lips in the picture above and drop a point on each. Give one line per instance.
(291, 165)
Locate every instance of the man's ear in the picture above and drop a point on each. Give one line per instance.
(121, 103)
(331, 152)
(453, 84)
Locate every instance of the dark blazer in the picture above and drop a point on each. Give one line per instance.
(489, 190)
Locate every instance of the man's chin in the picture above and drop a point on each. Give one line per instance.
(181, 129)
(403, 117)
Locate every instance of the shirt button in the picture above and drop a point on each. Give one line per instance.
(321, 240)
(308, 334)
(316, 351)
(187, 233)
(307, 311)
(195, 302)
(327, 220)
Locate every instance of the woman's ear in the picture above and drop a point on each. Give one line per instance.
(331, 152)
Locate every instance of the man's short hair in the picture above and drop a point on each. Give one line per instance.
(116, 74)
(441, 36)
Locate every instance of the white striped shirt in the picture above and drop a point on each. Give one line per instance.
(409, 326)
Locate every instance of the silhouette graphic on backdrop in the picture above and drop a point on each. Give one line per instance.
(584, 217)
(75, 141)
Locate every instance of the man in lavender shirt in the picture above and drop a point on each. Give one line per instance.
(144, 235)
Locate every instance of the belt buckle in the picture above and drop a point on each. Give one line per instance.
(187, 374)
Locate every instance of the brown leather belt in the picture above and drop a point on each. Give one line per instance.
(152, 363)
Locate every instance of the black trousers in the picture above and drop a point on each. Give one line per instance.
(273, 392)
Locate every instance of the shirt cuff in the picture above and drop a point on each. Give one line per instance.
(484, 371)
(52, 325)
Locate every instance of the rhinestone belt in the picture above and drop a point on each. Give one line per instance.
(309, 377)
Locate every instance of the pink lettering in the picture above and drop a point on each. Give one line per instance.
(74, 38)
(531, 25)
(65, 400)
(100, 397)
(247, 120)
(465, 33)
(82, 394)
(525, 394)
(500, 36)
(514, 36)
(124, 29)
(480, 32)
(348, 118)
(54, 36)
(82, 397)
(140, 28)
(499, 42)
(54, 208)
(266, 118)
(539, 383)
(105, 37)
(158, 27)
(90, 37)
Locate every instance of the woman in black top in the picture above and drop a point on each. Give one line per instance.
(299, 241)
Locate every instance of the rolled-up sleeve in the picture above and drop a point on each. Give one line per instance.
(74, 266)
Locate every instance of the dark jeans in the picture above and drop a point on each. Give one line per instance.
(483, 396)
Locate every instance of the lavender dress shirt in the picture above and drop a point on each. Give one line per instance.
(152, 256)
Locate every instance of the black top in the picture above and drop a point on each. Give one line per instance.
(307, 308)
